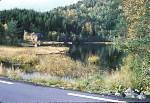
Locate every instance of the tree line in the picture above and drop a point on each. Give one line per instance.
(88, 20)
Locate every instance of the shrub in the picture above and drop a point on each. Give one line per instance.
(94, 60)
(120, 80)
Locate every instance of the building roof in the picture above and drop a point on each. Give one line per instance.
(38, 34)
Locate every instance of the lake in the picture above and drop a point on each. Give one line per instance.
(109, 56)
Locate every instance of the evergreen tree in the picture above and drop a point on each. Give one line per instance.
(12, 31)
(1, 33)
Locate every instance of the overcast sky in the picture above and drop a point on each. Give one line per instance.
(38, 5)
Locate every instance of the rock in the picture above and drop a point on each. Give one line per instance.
(53, 86)
(62, 87)
(137, 91)
(117, 93)
(128, 92)
(141, 93)
(141, 96)
(111, 93)
(134, 95)
(106, 92)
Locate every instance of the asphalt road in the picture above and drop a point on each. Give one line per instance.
(19, 92)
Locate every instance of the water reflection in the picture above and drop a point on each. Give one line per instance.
(109, 56)
(27, 68)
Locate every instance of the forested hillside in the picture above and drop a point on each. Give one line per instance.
(88, 20)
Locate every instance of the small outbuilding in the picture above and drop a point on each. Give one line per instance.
(33, 36)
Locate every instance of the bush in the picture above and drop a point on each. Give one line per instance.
(120, 80)
(94, 60)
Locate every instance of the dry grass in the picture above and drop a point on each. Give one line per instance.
(121, 79)
(24, 55)
(62, 66)
(30, 50)
(9, 72)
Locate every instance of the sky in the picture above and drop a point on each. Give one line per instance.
(38, 5)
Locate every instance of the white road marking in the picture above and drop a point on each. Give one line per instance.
(96, 98)
(6, 82)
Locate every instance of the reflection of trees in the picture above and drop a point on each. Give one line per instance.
(110, 56)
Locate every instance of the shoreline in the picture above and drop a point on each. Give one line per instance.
(54, 42)
(98, 43)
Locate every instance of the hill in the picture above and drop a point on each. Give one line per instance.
(87, 20)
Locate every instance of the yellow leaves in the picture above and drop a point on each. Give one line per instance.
(148, 26)
(135, 10)
(120, 7)
(141, 1)
(88, 26)
(136, 7)
(130, 30)
(5, 26)
(90, 9)
(82, 6)
(143, 13)
(138, 12)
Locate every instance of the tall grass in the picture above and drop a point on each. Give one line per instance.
(62, 66)
(120, 80)
(10, 72)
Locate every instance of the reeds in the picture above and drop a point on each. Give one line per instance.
(10, 72)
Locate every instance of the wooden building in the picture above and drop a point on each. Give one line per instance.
(33, 36)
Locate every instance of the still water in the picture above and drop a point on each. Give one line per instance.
(109, 57)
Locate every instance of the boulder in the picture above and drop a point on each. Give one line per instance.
(129, 90)
(141, 96)
(130, 93)
(118, 93)
(137, 91)
(134, 95)
(112, 93)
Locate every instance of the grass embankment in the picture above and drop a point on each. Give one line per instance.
(57, 70)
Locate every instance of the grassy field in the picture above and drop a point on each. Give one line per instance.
(31, 50)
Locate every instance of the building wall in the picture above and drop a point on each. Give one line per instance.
(31, 37)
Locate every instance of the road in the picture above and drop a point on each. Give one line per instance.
(20, 92)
